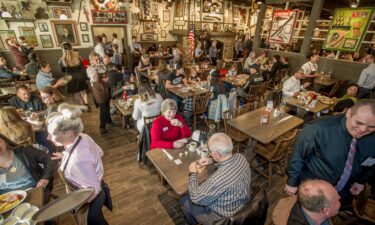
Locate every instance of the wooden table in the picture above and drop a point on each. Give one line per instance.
(152, 76)
(122, 110)
(236, 81)
(249, 124)
(178, 91)
(35, 196)
(177, 176)
(325, 82)
(319, 106)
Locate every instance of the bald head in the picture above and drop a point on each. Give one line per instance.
(317, 196)
(221, 143)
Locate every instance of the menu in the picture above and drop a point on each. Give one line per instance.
(348, 27)
(282, 26)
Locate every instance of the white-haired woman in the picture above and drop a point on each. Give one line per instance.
(169, 130)
(81, 162)
(70, 64)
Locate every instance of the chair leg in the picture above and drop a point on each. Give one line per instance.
(269, 174)
(195, 119)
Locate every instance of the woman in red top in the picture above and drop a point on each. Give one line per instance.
(169, 130)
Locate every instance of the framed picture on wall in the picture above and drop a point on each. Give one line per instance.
(134, 32)
(166, 16)
(2, 44)
(65, 31)
(163, 34)
(83, 26)
(46, 41)
(149, 37)
(59, 12)
(149, 26)
(29, 34)
(43, 27)
(179, 8)
(85, 38)
(7, 34)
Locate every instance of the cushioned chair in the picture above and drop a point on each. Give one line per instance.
(254, 213)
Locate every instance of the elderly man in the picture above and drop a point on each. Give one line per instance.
(317, 202)
(225, 192)
(5, 73)
(338, 149)
(292, 86)
(25, 100)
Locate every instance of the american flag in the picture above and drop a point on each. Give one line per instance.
(191, 44)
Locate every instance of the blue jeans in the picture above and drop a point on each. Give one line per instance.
(197, 213)
(41, 138)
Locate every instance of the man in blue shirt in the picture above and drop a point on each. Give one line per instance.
(24, 100)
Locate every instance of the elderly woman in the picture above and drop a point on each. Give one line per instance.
(169, 130)
(25, 167)
(81, 162)
(348, 100)
(147, 105)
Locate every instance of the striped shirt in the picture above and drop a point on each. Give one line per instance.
(227, 190)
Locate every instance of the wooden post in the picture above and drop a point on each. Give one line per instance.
(258, 29)
(315, 15)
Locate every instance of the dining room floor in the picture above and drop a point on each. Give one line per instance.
(137, 193)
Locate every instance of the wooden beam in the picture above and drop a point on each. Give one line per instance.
(285, 1)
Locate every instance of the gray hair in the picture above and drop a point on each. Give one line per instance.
(311, 195)
(67, 118)
(168, 104)
(222, 143)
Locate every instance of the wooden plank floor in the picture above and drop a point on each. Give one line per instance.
(138, 195)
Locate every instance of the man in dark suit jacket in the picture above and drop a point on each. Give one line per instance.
(24, 100)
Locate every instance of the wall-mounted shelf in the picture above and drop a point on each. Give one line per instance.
(18, 20)
(109, 17)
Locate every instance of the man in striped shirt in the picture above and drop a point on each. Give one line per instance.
(225, 192)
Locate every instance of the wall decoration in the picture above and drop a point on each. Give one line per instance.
(43, 27)
(166, 16)
(163, 34)
(2, 46)
(149, 37)
(106, 5)
(135, 18)
(155, 9)
(179, 8)
(108, 17)
(46, 41)
(57, 12)
(7, 34)
(134, 32)
(347, 29)
(65, 31)
(282, 26)
(85, 38)
(236, 12)
(83, 26)
(41, 14)
(29, 34)
(149, 26)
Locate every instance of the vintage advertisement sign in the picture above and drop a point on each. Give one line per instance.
(347, 29)
(282, 26)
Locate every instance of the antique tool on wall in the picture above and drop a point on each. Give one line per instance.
(281, 28)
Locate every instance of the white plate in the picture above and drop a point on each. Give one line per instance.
(3, 196)
(20, 209)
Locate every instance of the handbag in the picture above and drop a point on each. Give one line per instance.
(108, 198)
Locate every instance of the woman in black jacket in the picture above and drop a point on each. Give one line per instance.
(25, 167)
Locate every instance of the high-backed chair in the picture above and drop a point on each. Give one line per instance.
(254, 213)
(200, 103)
(336, 87)
(272, 154)
(253, 94)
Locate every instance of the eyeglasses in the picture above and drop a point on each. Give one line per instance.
(45, 97)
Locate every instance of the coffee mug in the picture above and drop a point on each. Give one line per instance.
(192, 146)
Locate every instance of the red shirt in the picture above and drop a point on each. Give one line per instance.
(163, 134)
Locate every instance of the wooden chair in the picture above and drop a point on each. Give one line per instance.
(200, 103)
(148, 121)
(272, 154)
(279, 76)
(237, 136)
(364, 207)
(336, 87)
(254, 93)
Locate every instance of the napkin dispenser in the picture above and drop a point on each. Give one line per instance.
(199, 136)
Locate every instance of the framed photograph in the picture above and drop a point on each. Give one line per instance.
(350, 43)
(163, 34)
(149, 37)
(149, 26)
(166, 16)
(179, 8)
(7, 34)
(85, 38)
(83, 26)
(65, 31)
(43, 27)
(57, 12)
(29, 34)
(206, 7)
(134, 32)
(46, 40)
(2, 46)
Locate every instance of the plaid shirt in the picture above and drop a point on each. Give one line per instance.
(227, 190)
(188, 104)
